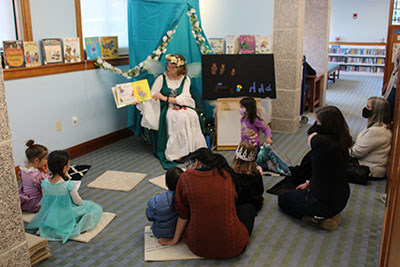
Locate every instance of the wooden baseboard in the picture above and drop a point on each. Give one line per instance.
(97, 143)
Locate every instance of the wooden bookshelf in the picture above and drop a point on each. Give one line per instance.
(363, 58)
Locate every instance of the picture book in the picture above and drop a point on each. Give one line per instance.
(263, 44)
(217, 45)
(92, 45)
(109, 47)
(247, 44)
(128, 93)
(31, 50)
(72, 50)
(52, 51)
(13, 54)
(232, 44)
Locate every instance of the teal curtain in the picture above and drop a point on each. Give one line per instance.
(148, 22)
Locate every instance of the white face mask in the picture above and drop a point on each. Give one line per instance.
(242, 111)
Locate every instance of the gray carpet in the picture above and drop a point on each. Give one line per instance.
(277, 240)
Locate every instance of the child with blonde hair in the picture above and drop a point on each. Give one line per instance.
(249, 178)
(32, 173)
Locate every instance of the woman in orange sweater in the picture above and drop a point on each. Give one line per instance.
(205, 202)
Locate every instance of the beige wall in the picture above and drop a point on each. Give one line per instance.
(316, 36)
(13, 245)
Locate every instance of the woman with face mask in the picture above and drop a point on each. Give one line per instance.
(373, 144)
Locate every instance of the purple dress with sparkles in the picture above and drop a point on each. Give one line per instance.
(30, 192)
(251, 132)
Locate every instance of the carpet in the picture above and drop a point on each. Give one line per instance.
(117, 180)
(105, 220)
(153, 251)
(159, 181)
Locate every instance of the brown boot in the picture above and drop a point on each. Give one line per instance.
(329, 224)
(338, 219)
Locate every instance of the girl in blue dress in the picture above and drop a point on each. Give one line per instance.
(63, 214)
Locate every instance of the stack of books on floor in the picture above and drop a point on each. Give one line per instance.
(38, 250)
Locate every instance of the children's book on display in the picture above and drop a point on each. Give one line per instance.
(232, 44)
(263, 44)
(93, 50)
(31, 50)
(247, 44)
(128, 93)
(217, 45)
(13, 54)
(109, 47)
(72, 50)
(52, 51)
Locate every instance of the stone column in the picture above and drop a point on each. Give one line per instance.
(13, 245)
(288, 52)
(316, 37)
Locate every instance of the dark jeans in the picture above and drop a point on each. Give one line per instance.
(299, 203)
(246, 214)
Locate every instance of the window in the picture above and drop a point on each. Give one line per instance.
(396, 13)
(7, 25)
(106, 18)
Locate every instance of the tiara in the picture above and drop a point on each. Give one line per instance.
(174, 60)
(243, 154)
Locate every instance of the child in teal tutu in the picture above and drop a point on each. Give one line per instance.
(63, 214)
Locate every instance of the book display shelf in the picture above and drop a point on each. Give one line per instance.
(357, 58)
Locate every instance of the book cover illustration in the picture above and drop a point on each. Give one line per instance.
(72, 50)
(92, 45)
(52, 51)
(109, 47)
(13, 54)
(128, 93)
(232, 44)
(263, 44)
(217, 45)
(247, 44)
(31, 50)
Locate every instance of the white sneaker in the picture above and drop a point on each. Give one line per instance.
(383, 198)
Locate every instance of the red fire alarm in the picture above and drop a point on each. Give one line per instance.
(355, 16)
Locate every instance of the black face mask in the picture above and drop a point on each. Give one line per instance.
(366, 113)
(315, 129)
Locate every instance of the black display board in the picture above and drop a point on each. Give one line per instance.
(238, 75)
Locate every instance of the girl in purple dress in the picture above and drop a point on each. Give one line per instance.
(251, 123)
(32, 173)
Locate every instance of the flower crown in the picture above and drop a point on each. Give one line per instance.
(245, 155)
(174, 60)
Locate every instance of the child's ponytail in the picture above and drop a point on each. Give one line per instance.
(57, 161)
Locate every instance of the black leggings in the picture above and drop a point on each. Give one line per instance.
(246, 214)
(299, 203)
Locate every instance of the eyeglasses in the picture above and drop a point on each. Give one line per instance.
(171, 66)
(190, 164)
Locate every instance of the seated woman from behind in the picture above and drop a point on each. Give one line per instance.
(373, 144)
(205, 202)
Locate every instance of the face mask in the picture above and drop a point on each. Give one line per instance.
(242, 111)
(366, 113)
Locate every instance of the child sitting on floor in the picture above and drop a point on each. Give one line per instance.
(161, 209)
(32, 173)
(63, 214)
(248, 176)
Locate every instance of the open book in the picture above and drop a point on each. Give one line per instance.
(127, 93)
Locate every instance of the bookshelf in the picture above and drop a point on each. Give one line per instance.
(361, 59)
